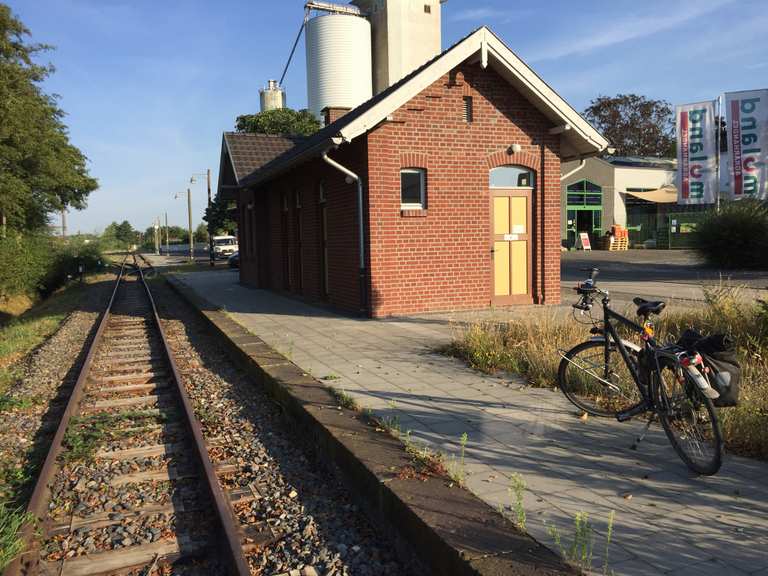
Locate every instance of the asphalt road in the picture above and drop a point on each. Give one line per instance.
(670, 274)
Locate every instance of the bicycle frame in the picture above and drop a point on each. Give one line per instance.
(611, 334)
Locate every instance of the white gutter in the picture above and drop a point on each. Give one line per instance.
(360, 224)
(582, 161)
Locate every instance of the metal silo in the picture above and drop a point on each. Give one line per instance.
(272, 97)
(338, 61)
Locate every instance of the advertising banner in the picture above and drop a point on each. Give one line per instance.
(696, 153)
(743, 168)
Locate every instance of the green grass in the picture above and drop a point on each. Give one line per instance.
(11, 521)
(530, 347)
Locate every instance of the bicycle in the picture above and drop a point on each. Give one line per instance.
(608, 376)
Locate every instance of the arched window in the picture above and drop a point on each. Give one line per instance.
(584, 193)
(512, 177)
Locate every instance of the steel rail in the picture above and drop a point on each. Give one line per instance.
(37, 502)
(230, 532)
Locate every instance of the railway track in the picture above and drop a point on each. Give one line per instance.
(128, 486)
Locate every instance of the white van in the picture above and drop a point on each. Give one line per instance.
(224, 246)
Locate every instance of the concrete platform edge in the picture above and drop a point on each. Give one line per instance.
(451, 531)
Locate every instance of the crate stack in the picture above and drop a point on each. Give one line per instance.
(617, 240)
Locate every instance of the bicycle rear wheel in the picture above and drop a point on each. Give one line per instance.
(598, 385)
(689, 420)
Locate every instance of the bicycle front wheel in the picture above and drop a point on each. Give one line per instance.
(689, 420)
(597, 383)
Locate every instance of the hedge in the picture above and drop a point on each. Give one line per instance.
(735, 237)
(38, 265)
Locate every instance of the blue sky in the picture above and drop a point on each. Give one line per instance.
(149, 86)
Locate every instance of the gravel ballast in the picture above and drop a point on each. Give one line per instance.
(302, 502)
(47, 372)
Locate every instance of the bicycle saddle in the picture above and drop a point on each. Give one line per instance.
(646, 308)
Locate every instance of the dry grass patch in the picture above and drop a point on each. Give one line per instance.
(530, 347)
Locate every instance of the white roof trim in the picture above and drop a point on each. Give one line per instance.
(490, 47)
(231, 161)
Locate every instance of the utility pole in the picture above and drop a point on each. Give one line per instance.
(189, 214)
(210, 232)
(4, 222)
(157, 235)
(167, 242)
(64, 222)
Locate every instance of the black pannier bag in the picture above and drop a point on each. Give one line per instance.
(719, 354)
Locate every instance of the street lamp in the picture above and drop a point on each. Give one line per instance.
(189, 215)
(192, 180)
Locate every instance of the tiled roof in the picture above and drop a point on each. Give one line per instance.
(249, 152)
(642, 162)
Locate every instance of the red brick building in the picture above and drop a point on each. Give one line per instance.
(441, 192)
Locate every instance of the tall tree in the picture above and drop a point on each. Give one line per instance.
(279, 121)
(40, 170)
(125, 233)
(201, 233)
(634, 124)
(219, 216)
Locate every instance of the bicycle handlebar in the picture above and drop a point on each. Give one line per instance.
(587, 289)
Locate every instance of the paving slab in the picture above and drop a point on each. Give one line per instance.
(568, 465)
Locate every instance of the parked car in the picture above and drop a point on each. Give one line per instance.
(224, 246)
(234, 260)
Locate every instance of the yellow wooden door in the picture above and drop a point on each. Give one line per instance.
(511, 246)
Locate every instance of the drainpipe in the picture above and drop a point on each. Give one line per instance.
(360, 225)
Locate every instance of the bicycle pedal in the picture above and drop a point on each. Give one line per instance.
(630, 413)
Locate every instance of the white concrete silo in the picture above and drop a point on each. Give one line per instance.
(338, 61)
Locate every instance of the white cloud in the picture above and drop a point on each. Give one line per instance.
(616, 30)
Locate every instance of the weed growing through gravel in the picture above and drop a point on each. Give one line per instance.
(608, 538)
(12, 479)
(530, 346)
(517, 489)
(422, 455)
(86, 435)
(456, 469)
(579, 553)
(11, 403)
(11, 521)
(81, 440)
(342, 398)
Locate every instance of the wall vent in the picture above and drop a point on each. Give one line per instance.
(468, 109)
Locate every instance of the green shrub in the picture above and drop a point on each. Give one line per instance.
(37, 265)
(736, 237)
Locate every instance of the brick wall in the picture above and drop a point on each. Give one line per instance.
(435, 259)
(293, 260)
(439, 258)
